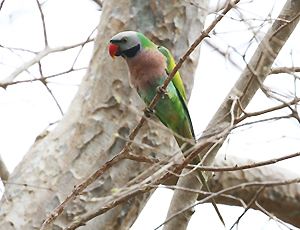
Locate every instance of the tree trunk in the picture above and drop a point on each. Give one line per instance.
(85, 137)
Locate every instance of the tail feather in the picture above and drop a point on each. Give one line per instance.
(196, 161)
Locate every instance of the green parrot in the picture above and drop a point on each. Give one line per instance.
(149, 66)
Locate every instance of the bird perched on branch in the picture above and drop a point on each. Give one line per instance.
(149, 66)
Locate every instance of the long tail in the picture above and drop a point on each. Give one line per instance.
(196, 161)
(204, 182)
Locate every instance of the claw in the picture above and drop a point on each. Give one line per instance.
(160, 90)
(148, 112)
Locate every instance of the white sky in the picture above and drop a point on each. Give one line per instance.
(27, 109)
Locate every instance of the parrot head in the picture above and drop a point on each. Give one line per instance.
(126, 44)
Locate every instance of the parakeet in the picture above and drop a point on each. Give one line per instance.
(149, 66)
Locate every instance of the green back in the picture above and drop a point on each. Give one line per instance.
(170, 65)
(177, 82)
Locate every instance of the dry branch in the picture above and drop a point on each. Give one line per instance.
(242, 167)
(233, 188)
(48, 50)
(145, 188)
(283, 201)
(277, 70)
(253, 200)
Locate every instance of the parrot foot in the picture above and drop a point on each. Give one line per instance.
(148, 112)
(160, 90)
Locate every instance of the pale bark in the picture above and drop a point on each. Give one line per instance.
(104, 105)
(244, 89)
(282, 201)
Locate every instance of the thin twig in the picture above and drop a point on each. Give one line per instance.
(173, 187)
(7, 81)
(258, 192)
(271, 216)
(39, 79)
(79, 188)
(242, 167)
(224, 54)
(277, 70)
(247, 114)
(135, 192)
(44, 82)
(244, 185)
(43, 21)
(81, 48)
(30, 185)
(1, 4)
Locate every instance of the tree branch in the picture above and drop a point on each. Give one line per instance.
(145, 188)
(4, 173)
(242, 167)
(43, 21)
(7, 81)
(276, 200)
(233, 188)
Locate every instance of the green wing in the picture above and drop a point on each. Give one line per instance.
(177, 82)
(170, 66)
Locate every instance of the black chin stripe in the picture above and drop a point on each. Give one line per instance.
(132, 51)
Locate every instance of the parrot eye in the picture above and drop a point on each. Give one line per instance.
(123, 40)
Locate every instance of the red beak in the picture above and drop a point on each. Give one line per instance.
(113, 49)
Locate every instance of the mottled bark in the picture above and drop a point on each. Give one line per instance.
(85, 138)
(282, 201)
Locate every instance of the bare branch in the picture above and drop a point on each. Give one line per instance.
(43, 21)
(272, 216)
(246, 114)
(1, 4)
(45, 78)
(224, 54)
(289, 70)
(135, 192)
(249, 205)
(30, 185)
(7, 81)
(79, 188)
(243, 185)
(4, 173)
(98, 2)
(87, 40)
(242, 167)
(44, 82)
